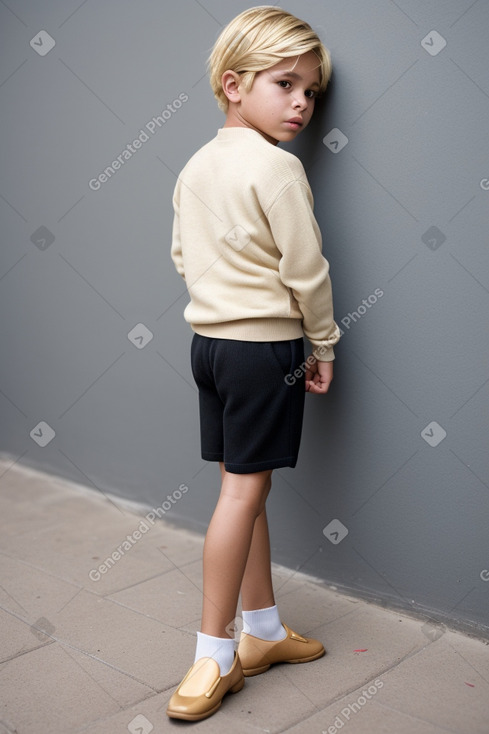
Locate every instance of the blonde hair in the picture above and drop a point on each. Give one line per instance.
(259, 38)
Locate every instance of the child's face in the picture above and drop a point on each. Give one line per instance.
(281, 100)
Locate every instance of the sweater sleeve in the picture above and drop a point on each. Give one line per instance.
(176, 246)
(302, 267)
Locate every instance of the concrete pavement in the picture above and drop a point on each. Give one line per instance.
(99, 608)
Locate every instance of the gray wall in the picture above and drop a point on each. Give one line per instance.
(403, 209)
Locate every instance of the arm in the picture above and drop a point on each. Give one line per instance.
(319, 377)
(176, 247)
(305, 271)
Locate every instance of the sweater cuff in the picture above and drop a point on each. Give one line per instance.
(323, 350)
(323, 354)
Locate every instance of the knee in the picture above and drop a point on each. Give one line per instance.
(264, 496)
(250, 490)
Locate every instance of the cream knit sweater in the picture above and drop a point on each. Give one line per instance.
(248, 246)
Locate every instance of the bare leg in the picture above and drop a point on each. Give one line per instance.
(227, 545)
(257, 587)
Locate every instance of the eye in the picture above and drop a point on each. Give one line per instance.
(283, 82)
(310, 93)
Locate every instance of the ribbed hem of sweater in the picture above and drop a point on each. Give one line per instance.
(253, 330)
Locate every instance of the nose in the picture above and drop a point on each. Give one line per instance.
(300, 101)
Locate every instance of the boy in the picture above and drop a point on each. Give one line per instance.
(248, 246)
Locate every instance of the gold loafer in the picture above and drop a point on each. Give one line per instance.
(257, 655)
(201, 691)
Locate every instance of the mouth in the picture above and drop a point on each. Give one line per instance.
(295, 123)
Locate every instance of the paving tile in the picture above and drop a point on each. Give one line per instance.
(116, 648)
(33, 486)
(179, 546)
(386, 637)
(227, 719)
(47, 690)
(18, 637)
(193, 572)
(286, 580)
(440, 684)
(29, 499)
(271, 703)
(31, 592)
(474, 651)
(85, 546)
(365, 719)
(36, 537)
(26, 501)
(122, 687)
(171, 598)
(310, 606)
(131, 642)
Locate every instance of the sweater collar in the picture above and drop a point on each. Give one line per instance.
(233, 133)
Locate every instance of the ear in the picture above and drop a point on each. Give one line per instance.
(231, 81)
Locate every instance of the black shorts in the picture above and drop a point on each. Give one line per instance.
(250, 415)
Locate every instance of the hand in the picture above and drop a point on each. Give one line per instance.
(318, 377)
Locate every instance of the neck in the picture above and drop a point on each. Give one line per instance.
(233, 119)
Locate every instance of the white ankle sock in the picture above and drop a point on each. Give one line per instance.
(221, 649)
(264, 623)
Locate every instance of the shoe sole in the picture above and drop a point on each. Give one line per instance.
(198, 717)
(249, 672)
